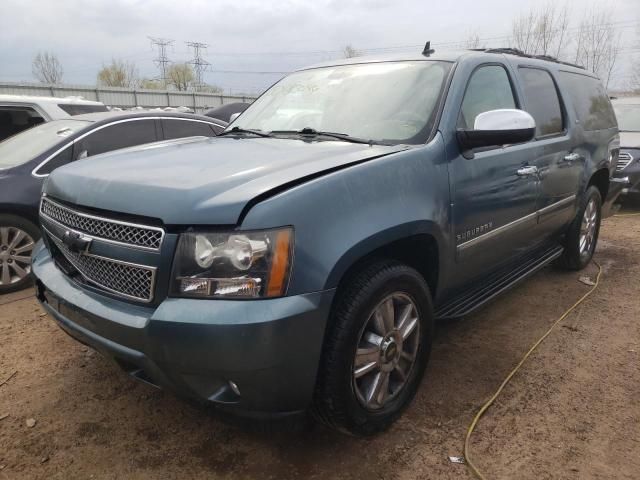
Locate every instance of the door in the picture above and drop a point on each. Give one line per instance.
(559, 166)
(122, 134)
(494, 193)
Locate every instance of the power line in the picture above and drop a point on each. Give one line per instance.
(162, 60)
(199, 63)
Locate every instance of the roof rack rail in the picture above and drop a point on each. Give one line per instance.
(520, 53)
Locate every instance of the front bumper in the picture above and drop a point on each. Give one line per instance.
(269, 349)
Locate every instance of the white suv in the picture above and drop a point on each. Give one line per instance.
(19, 112)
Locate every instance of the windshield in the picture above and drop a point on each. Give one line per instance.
(386, 102)
(26, 145)
(628, 117)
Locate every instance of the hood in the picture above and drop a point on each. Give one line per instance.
(629, 140)
(200, 181)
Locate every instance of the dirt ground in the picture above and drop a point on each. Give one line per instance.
(573, 411)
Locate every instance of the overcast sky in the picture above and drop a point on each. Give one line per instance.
(252, 36)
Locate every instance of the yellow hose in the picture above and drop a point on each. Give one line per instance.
(486, 406)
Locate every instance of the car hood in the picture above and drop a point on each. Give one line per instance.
(200, 181)
(629, 139)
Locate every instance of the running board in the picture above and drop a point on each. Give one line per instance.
(486, 290)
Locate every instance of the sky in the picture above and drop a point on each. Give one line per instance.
(252, 42)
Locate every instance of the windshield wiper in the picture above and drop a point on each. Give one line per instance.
(245, 130)
(319, 133)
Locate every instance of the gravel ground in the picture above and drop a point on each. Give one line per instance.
(573, 411)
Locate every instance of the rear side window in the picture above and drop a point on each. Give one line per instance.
(541, 99)
(590, 101)
(119, 135)
(17, 119)
(488, 89)
(185, 128)
(75, 109)
(60, 159)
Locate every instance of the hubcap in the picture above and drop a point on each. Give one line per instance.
(588, 228)
(16, 246)
(386, 351)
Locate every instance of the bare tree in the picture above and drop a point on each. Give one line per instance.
(634, 79)
(119, 74)
(47, 68)
(181, 76)
(598, 43)
(542, 30)
(349, 52)
(472, 40)
(634, 84)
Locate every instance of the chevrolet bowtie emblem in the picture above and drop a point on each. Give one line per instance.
(76, 242)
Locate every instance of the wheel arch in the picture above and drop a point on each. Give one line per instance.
(416, 244)
(600, 179)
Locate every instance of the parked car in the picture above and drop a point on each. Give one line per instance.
(28, 158)
(20, 112)
(628, 167)
(298, 261)
(228, 111)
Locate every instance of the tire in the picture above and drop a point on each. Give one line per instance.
(351, 404)
(576, 256)
(17, 239)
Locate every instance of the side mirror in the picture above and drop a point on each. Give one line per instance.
(498, 127)
(234, 116)
(82, 154)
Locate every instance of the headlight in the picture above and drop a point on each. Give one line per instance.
(234, 264)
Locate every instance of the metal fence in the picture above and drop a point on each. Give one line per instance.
(125, 97)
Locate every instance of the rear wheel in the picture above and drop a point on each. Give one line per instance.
(582, 237)
(376, 349)
(17, 239)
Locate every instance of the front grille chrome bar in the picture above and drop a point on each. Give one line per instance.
(115, 231)
(624, 159)
(124, 279)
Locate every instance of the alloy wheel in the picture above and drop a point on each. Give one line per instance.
(386, 352)
(16, 246)
(588, 227)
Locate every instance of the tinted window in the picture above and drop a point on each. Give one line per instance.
(60, 159)
(17, 119)
(120, 135)
(488, 89)
(590, 101)
(185, 128)
(75, 109)
(541, 99)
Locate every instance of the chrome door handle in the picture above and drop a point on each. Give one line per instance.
(572, 157)
(528, 170)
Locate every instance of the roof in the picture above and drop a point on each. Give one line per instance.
(39, 99)
(444, 56)
(454, 56)
(112, 115)
(632, 100)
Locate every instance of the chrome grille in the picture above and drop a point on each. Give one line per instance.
(125, 279)
(624, 159)
(111, 230)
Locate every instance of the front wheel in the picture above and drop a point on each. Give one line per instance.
(376, 349)
(582, 237)
(17, 239)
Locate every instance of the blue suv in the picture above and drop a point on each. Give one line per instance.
(298, 262)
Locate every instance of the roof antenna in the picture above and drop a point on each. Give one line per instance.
(427, 49)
